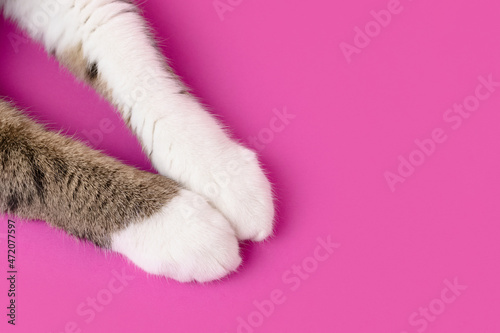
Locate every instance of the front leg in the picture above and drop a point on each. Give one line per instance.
(44, 175)
(107, 44)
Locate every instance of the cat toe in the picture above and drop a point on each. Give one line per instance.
(245, 197)
(188, 240)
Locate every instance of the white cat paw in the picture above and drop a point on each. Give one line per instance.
(188, 240)
(230, 177)
(239, 188)
(190, 147)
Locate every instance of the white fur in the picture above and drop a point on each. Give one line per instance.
(181, 242)
(182, 139)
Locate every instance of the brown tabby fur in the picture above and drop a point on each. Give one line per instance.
(44, 175)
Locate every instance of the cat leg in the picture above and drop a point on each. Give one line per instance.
(164, 229)
(107, 44)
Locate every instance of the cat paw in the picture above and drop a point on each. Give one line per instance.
(190, 147)
(229, 176)
(188, 240)
(241, 191)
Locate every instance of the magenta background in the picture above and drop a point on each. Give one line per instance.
(352, 122)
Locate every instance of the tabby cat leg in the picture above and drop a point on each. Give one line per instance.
(162, 228)
(107, 43)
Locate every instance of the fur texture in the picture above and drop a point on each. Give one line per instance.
(48, 176)
(182, 242)
(107, 44)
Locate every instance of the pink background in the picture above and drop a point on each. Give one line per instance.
(352, 122)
